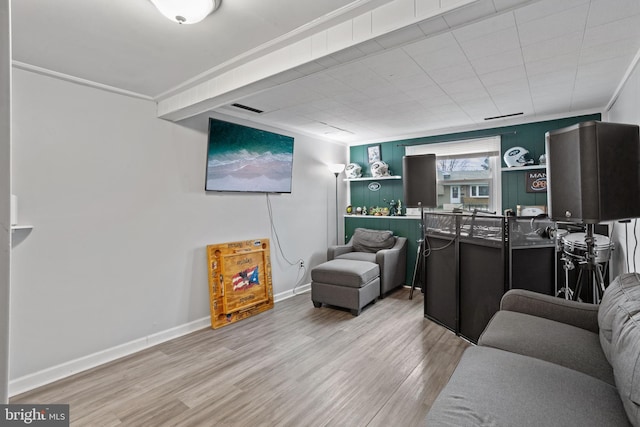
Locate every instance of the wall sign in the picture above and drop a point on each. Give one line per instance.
(536, 181)
(374, 186)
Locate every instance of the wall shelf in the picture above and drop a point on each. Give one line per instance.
(21, 227)
(371, 178)
(524, 168)
(416, 217)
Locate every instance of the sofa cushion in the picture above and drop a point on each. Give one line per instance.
(492, 387)
(359, 256)
(545, 339)
(365, 240)
(345, 272)
(625, 357)
(624, 289)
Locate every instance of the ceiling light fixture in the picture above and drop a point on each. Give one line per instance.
(186, 11)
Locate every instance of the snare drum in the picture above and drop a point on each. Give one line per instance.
(575, 246)
(559, 237)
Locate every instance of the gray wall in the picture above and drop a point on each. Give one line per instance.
(5, 192)
(121, 221)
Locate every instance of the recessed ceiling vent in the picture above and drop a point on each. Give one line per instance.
(504, 116)
(245, 107)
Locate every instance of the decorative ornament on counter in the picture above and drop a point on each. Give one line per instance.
(358, 210)
(349, 209)
(353, 170)
(364, 210)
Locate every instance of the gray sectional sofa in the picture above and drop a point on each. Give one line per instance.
(545, 361)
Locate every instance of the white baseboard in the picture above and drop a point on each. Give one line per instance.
(55, 373)
(46, 376)
(290, 293)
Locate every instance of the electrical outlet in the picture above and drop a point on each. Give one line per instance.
(300, 264)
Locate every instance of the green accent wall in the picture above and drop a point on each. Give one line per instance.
(528, 135)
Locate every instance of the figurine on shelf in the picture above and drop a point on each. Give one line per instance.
(399, 207)
(393, 208)
(364, 210)
(358, 210)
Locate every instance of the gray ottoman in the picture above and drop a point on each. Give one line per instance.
(345, 283)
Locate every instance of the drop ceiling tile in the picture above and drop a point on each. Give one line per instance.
(613, 31)
(431, 44)
(491, 44)
(604, 70)
(327, 61)
(310, 68)
(442, 58)
(485, 27)
(347, 55)
(404, 67)
(552, 26)
(622, 48)
(504, 75)
(429, 95)
(411, 83)
(564, 63)
(469, 85)
(434, 26)
(447, 75)
(491, 63)
(552, 79)
(369, 47)
(399, 37)
(508, 87)
(545, 8)
(567, 44)
(509, 4)
(603, 11)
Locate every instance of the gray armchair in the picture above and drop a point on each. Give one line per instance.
(380, 247)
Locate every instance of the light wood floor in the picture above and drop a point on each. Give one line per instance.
(295, 365)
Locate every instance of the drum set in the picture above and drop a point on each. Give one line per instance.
(587, 252)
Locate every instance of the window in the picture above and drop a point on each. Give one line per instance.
(479, 190)
(468, 173)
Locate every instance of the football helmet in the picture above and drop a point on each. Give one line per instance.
(517, 156)
(379, 169)
(353, 170)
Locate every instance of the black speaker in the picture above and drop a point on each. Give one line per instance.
(593, 172)
(419, 180)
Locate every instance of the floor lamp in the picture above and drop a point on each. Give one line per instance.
(420, 190)
(337, 169)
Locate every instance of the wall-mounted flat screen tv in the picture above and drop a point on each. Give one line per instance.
(245, 159)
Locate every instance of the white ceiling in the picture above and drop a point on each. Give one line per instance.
(545, 58)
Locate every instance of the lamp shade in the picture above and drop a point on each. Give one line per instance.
(186, 11)
(419, 180)
(336, 168)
